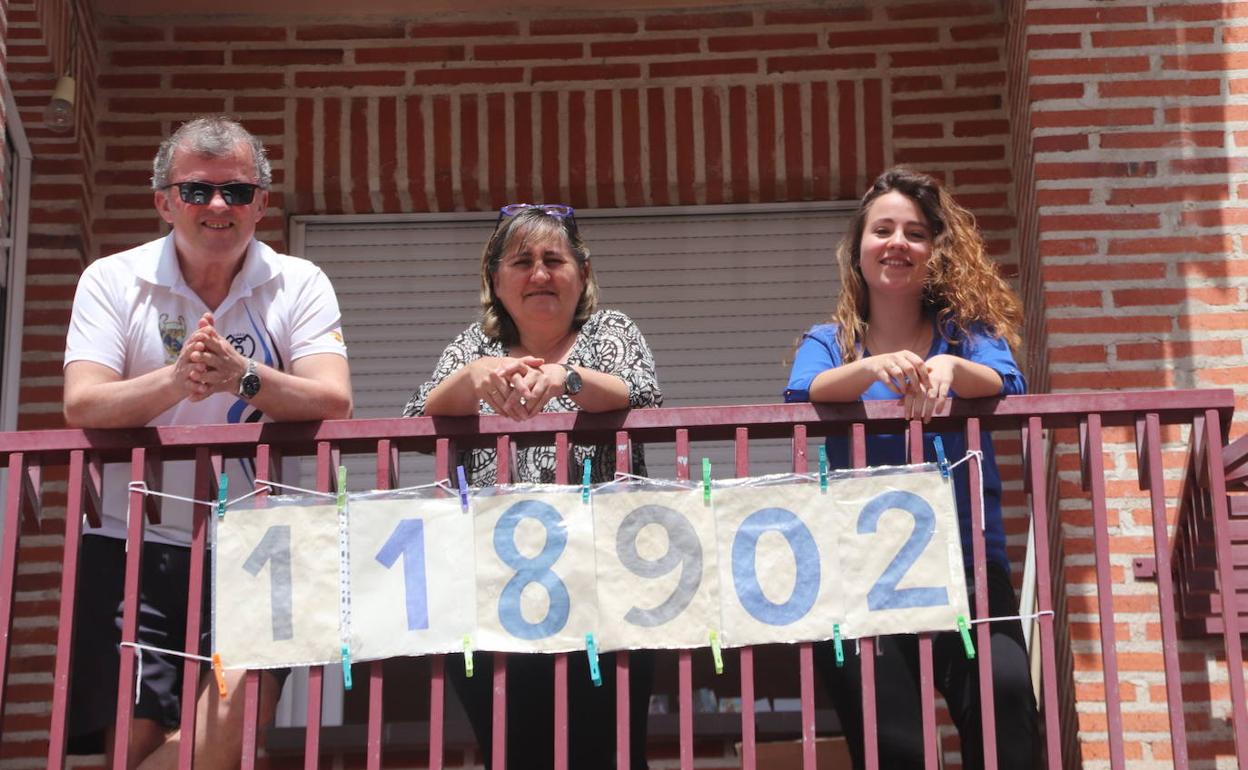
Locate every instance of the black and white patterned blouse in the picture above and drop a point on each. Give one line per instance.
(608, 342)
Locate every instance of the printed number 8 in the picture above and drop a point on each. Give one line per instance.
(683, 548)
(532, 570)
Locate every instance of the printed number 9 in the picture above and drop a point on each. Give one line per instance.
(683, 548)
(885, 595)
(745, 573)
(532, 570)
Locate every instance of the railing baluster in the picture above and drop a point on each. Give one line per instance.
(1093, 462)
(805, 652)
(387, 478)
(684, 659)
(1033, 442)
(1231, 637)
(139, 459)
(748, 745)
(326, 462)
(14, 504)
(207, 471)
(983, 631)
(268, 464)
(499, 722)
(561, 659)
(78, 480)
(927, 678)
(1152, 478)
(444, 468)
(623, 747)
(866, 645)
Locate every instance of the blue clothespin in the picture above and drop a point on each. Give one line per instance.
(342, 487)
(966, 638)
(823, 469)
(346, 667)
(463, 488)
(717, 653)
(941, 460)
(585, 482)
(468, 656)
(223, 489)
(706, 480)
(591, 650)
(837, 646)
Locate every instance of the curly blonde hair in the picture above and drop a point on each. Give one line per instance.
(531, 225)
(962, 288)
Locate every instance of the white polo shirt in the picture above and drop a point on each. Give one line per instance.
(132, 312)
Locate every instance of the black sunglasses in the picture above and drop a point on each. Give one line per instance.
(200, 193)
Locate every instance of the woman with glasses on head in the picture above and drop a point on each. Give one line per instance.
(923, 316)
(544, 345)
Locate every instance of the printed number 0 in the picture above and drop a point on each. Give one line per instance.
(532, 570)
(885, 595)
(274, 548)
(745, 573)
(683, 548)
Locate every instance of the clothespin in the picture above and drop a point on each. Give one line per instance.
(591, 650)
(468, 656)
(966, 638)
(823, 469)
(717, 653)
(585, 482)
(837, 646)
(346, 667)
(218, 671)
(223, 491)
(941, 460)
(463, 488)
(706, 480)
(342, 487)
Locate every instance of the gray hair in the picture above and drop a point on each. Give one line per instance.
(215, 136)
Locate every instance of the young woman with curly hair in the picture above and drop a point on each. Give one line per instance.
(924, 316)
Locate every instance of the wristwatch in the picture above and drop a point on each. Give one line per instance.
(572, 383)
(249, 383)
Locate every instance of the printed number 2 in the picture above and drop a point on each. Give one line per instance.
(745, 572)
(885, 595)
(408, 541)
(534, 570)
(274, 548)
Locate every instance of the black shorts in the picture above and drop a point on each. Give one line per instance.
(97, 637)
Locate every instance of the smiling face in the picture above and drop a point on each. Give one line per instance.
(539, 281)
(214, 231)
(895, 248)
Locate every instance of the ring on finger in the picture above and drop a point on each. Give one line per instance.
(524, 401)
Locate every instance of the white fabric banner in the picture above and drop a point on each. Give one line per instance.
(275, 586)
(658, 580)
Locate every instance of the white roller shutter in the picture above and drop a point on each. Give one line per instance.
(721, 294)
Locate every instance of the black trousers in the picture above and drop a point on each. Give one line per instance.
(531, 709)
(899, 717)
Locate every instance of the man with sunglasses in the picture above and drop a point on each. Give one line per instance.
(206, 325)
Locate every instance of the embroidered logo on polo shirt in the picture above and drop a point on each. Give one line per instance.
(245, 344)
(172, 335)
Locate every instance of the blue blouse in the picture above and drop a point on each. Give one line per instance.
(820, 351)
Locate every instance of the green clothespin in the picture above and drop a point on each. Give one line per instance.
(468, 656)
(966, 638)
(342, 487)
(346, 667)
(837, 646)
(591, 650)
(717, 653)
(706, 480)
(823, 469)
(223, 489)
(585, 482)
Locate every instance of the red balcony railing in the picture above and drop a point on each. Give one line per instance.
(78, 455)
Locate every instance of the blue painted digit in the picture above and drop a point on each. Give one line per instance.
(745, 573)
(408, 541)
(274, 550)
(532, 570)
(885, 595)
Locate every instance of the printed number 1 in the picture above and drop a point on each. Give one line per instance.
(274, 548)
(885, 595)
(408, 540)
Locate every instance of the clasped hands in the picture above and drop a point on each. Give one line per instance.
(208, 363)
(922, 385)
(518, 388)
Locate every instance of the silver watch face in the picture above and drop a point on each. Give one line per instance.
(572, 385)
(249, 385)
